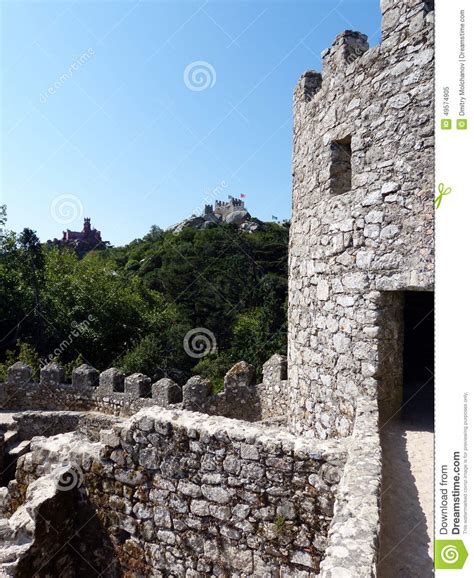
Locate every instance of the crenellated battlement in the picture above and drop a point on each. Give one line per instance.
(224, 208)
(111, 391)
(346, 49)
(401, 22)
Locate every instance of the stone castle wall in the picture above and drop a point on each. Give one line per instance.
(198, 495)
(171, 491)
(362, 225)
(114, 393)
(225, 208)
(185, 492)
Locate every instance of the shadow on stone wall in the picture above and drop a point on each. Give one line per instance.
(69, 541)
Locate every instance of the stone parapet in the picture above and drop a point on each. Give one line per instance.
(356, 510)
(113, 392)
(200, 494)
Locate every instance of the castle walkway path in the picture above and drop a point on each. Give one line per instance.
(406, 544)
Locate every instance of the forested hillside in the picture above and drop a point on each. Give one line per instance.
(131, 307)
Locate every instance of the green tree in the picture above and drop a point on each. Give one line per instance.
(132, 306)
(24, 352)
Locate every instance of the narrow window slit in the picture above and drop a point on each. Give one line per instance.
(340, 171)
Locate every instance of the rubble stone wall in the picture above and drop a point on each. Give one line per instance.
(202, 495)
(113, 393)
(65, 397)
(353, 538)
(363, 215)
(273, 391)
(29, 424)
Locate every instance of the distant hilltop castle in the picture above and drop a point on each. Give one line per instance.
(225, 208)
(81, 241)
(232, 212)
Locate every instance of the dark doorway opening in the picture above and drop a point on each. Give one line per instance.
(418, 357)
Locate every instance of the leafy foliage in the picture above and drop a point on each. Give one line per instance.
(24, 352)
(131, 306)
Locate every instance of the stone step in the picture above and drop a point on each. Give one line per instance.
(19, 449)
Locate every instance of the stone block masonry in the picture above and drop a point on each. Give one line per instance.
(362, 228)
(113, 392)
(354, 531)
(183, 493)
(243, 499)
(186, 494)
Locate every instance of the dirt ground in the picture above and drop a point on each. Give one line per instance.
(406, 545)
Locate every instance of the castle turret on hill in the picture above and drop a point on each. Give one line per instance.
(232, 211)
(81, 241)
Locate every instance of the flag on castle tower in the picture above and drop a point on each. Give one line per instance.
(230, 197)
(242, 196)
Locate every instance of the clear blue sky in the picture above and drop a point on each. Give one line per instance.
(97, 119)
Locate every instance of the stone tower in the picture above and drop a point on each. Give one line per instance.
(362, 228)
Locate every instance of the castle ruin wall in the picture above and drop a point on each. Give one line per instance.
(111, 392)
(363, 217)
(189, 493)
